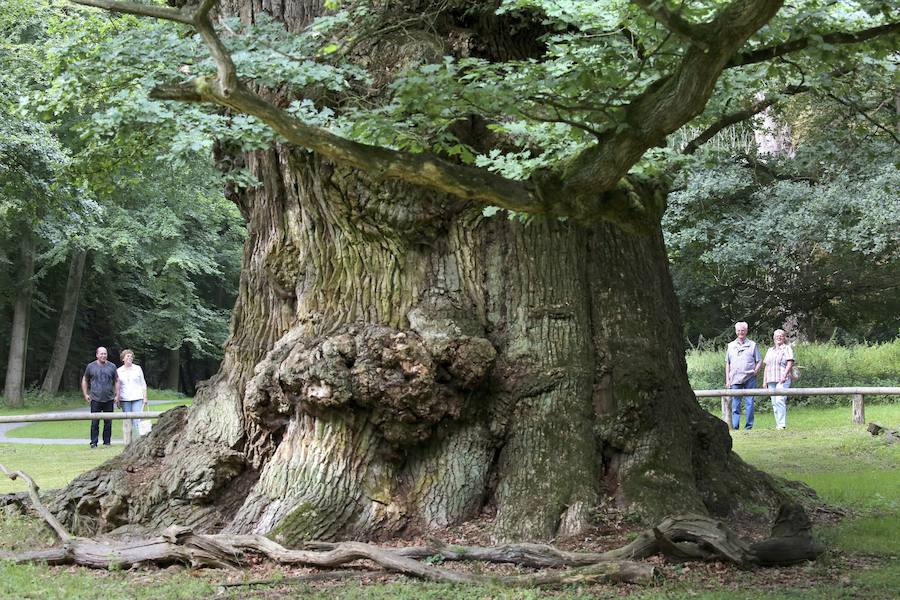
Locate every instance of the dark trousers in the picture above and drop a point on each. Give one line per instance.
(107, 423)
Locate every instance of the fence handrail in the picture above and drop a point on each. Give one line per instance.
(835, 391)
(155, 414)
(111, 416)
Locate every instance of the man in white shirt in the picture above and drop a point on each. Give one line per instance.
(742, 363)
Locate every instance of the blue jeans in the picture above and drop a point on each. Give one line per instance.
(748, 404)
(779, 404)
(130, 429)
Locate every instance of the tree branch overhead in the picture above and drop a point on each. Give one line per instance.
(674, 22)
(587, 188)
(144, 10)
(835, 37)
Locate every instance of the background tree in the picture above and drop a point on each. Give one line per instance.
(31, 163)
(171, 289)
(398, 359)
(146, 217)
(806, 236)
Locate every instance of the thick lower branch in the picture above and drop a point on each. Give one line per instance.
(835, 37)
(469, 183)
(669, 102)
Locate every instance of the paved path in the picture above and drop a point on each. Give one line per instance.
(6, 427)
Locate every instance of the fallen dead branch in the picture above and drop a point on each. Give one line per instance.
(679, 538)
(45, 514)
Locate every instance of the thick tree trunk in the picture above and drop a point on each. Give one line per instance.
(399, 362)
(14, 387)
(173, 370)
(57, 363)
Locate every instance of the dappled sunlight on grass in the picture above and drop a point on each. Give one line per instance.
(858, 491)
(848, 468)
(817, 443)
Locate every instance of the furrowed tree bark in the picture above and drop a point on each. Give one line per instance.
(57, 363)
(400, 363)
(14, 387)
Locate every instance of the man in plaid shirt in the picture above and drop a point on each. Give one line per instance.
(779, 362)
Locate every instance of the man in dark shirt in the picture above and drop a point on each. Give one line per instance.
(100, 386)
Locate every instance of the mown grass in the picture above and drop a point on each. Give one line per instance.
(51, 466)
(848, 467)
(39, 582)
(844, 464)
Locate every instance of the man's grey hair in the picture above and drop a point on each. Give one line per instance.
(741, 324)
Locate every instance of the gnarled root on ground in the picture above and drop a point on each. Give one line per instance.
(679, 538)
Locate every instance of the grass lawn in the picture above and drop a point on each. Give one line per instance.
(50, 466)
(844, 464)
(849, 469)
(79, 429)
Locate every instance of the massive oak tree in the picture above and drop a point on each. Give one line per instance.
(402, 355)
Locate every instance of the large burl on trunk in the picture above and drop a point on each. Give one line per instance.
(399, 362)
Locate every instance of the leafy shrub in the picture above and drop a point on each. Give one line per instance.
(72, 399)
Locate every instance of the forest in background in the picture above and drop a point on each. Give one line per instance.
(107, 236)
(115, 229)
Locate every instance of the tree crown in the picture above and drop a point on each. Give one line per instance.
(533, 106)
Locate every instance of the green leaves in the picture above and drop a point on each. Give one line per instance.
(575, 66)
(87, 159)
(584, 14)
(171, 243)
(771, 238)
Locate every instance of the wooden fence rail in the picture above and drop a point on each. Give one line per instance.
(857, 394)
(112, 416)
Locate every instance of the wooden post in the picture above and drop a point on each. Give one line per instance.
(859, 409)
(726, 410)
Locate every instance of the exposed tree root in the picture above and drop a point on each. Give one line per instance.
(679, 538)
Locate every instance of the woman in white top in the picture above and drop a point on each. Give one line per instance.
(133, 393)
(779, 361)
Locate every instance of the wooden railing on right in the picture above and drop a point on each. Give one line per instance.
(858, 395)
